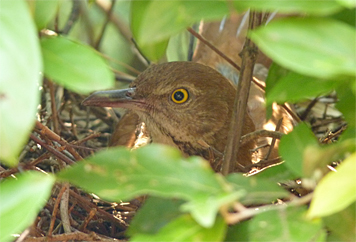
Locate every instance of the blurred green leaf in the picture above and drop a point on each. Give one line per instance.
(159, 20)
(156, 170)
(342, 225)
(20, 78)
(154, 214)
(336, 190)
(347, 3)
(43, 12)
(178, 46)
(347, 103)
(21, 199)
(290, 6)
(153, 51)
(319, 47)
(318, 157)
(75, 66)
(295, 87)
(289, 224)
(275, 73)
(238, 232)
(293, 145)
(258, 190)
(185, 228)
(349, 133)
(153, 22)
(278, 173)
(347, 16)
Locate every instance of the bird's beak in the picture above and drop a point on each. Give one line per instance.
(114, 98)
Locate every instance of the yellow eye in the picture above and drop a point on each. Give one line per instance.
(180, 95)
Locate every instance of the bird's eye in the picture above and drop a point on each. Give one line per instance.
(180, 95)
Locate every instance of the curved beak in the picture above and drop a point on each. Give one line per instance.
(122, 98)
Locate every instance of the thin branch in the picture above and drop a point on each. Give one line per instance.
(244, 213)
(45, 131)
(216, 50)
(211, 46)
(64, 209)
(53, 107)
(260, 133)
(273, 143)
(73, 17)
(55, 210)
(107, 20)
(249, 56)
(52, 150)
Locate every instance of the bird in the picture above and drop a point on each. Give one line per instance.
(183, 104)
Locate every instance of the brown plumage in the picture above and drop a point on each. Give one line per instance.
(198, 125)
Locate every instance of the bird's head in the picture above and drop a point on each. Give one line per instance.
(182, 100)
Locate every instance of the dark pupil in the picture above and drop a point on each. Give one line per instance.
(179, 96)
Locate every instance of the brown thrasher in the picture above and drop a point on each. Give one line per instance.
(183, 104)
(189, 105)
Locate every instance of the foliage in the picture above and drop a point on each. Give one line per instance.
(313, 55)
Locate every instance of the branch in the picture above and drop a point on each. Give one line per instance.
(249, 56)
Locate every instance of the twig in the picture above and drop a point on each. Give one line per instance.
(211, 46)
(75, 236)
(85, 223)
(44, 130)
(291, 113)
(117, 22)
(73, 17)
(130, 68)
(309, 108)
(278, 126)
(231, 62)
(249, 56)
(108, 15)
(244, 213)
(55, 210)
(53, 107)
(64, 209)
(120, 223)
(260, 133)
(52, 150)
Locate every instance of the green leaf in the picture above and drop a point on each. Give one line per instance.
(153, 51)
(347, 16)
(318, 157)
(238, 232)
(336, 190)
(178, 46)
(342, 224)
(319, 47)
(43, 11)
(290, 6)
(349, 133)
(275, 73)
(153, 215)
(293, 146)
(156, 170)
(347, 103)
(20, 78)
(21, 200)
(75, 66)
(155, 20)
(347, 3)
(289, 224)
(185, 228)
(295, 87)
(258, 191)
(277, 173)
